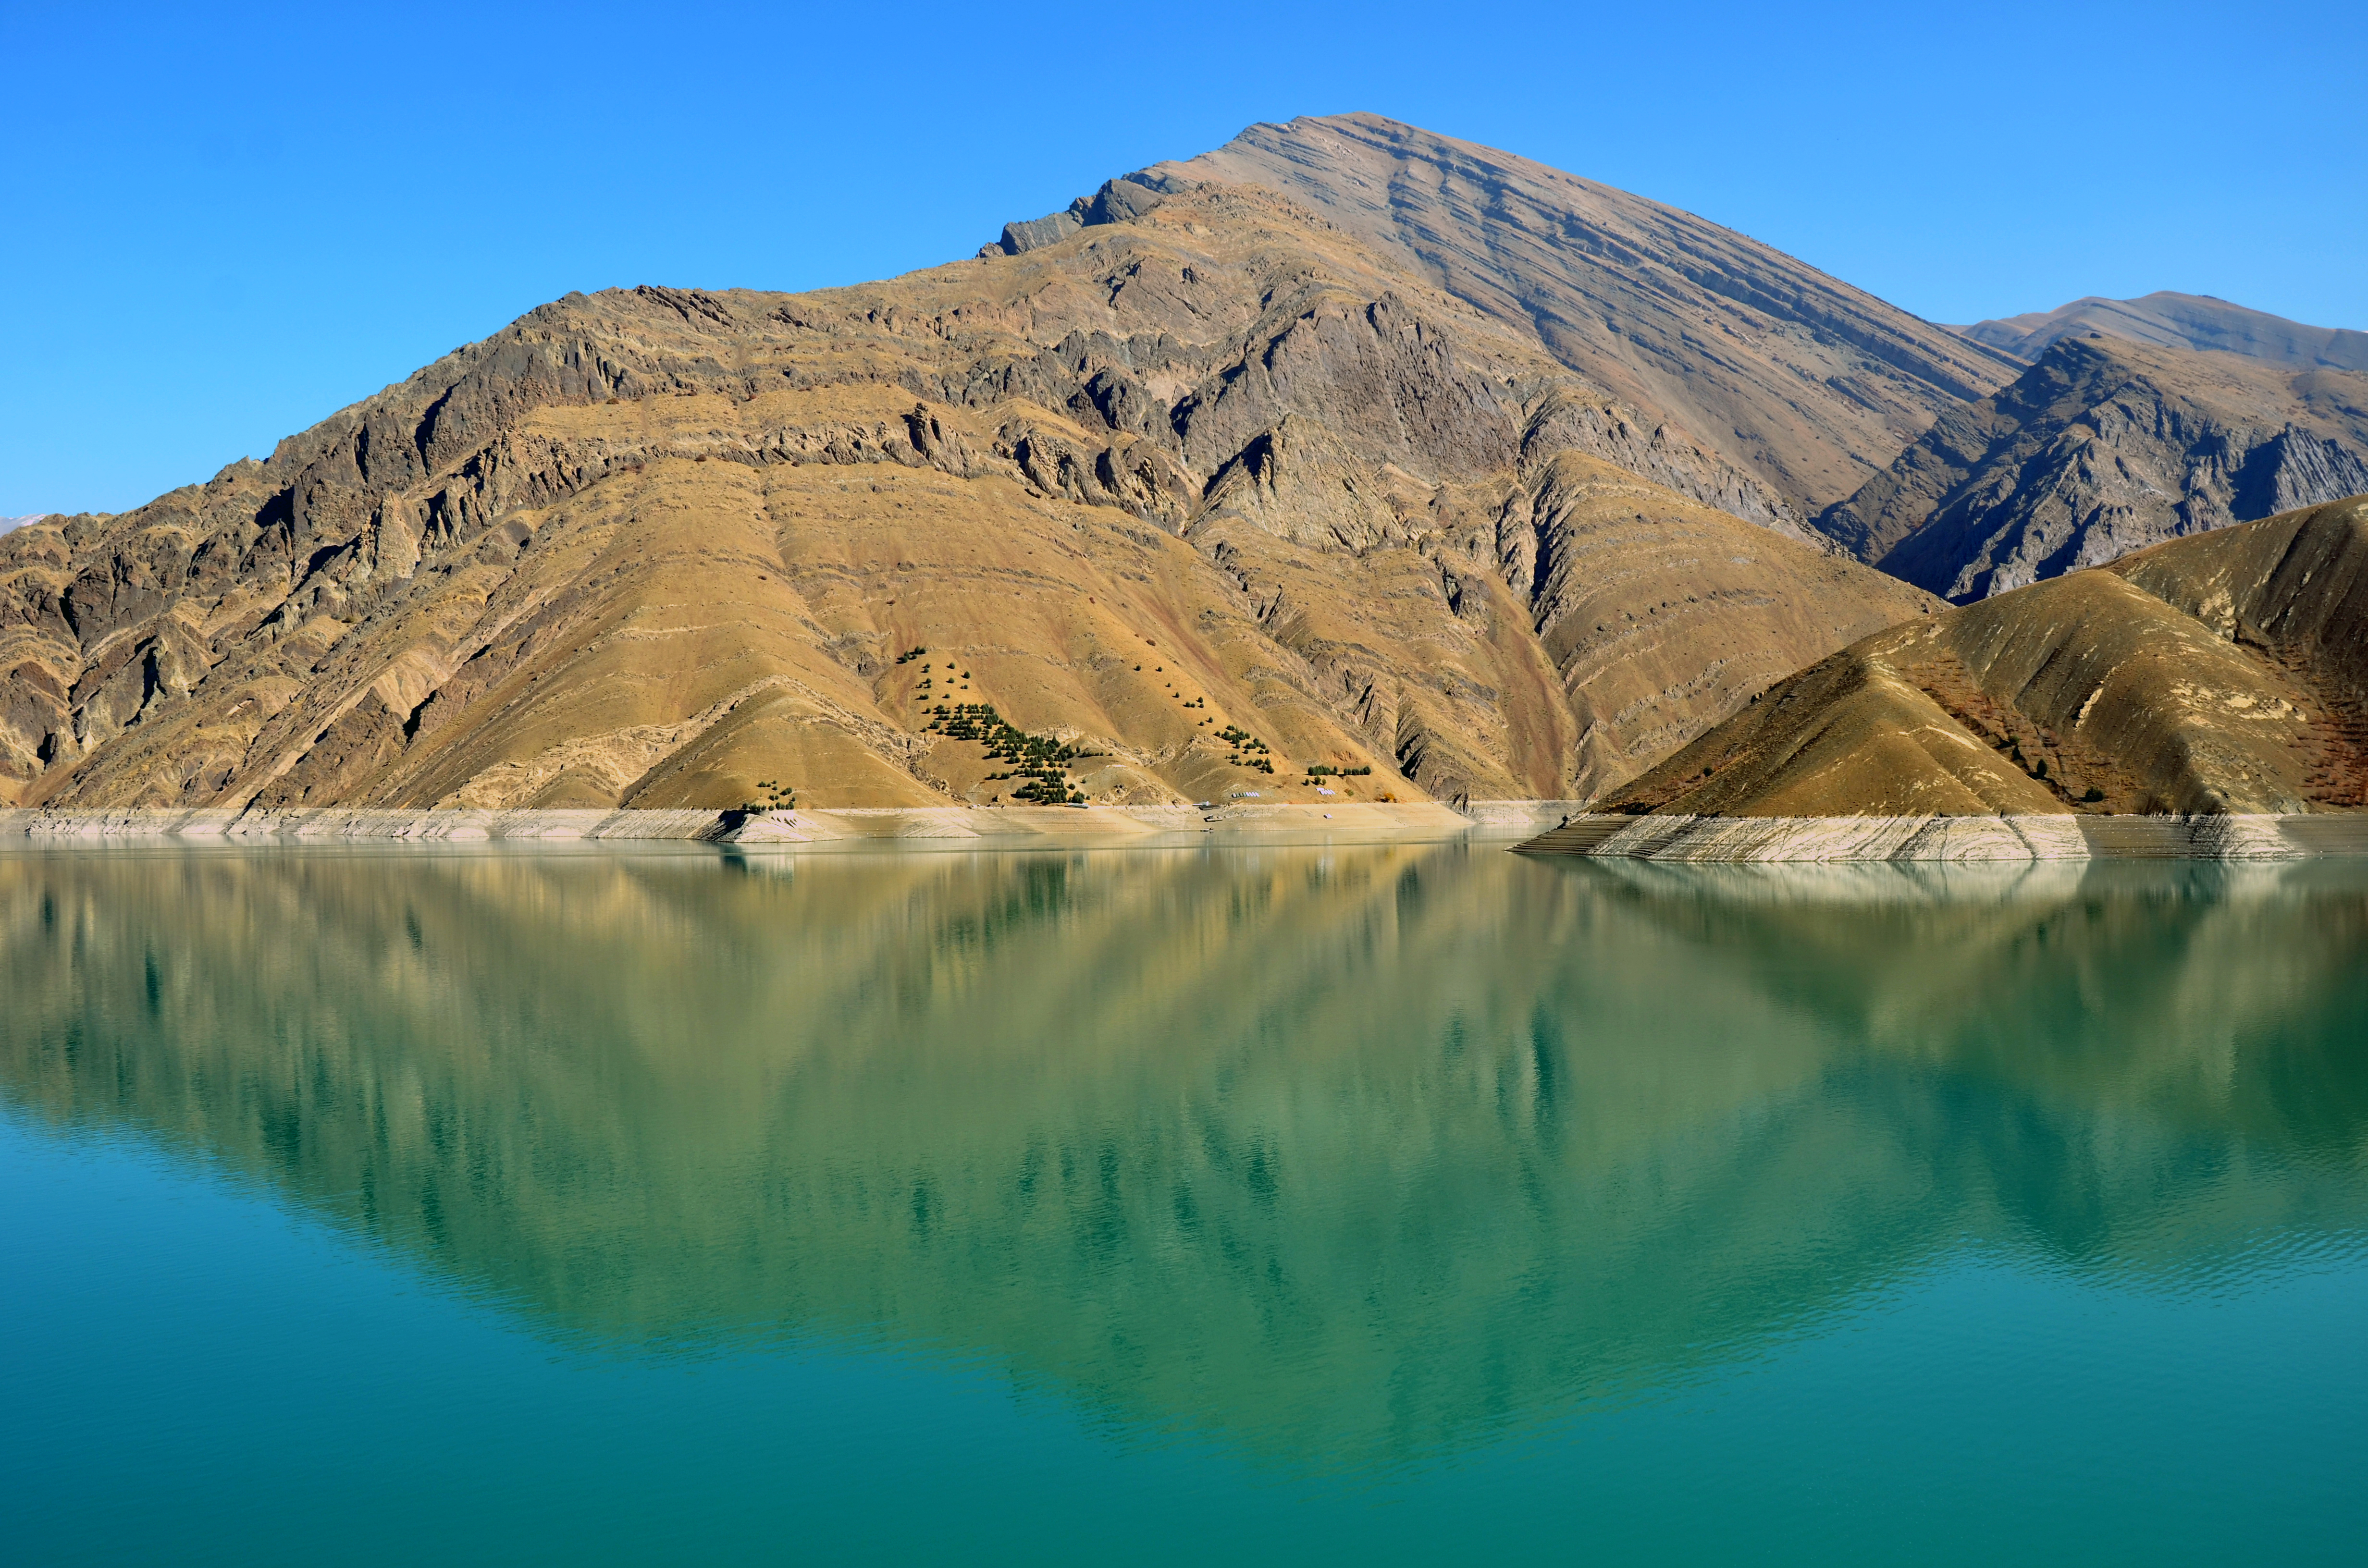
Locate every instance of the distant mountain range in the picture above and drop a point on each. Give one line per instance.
(1345, 460)
(6, 524)
(2181, 321)
(2104, 447)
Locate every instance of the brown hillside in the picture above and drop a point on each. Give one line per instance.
(1213, 471)
(2220, 673)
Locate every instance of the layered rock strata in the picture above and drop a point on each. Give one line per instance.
(1805, 382)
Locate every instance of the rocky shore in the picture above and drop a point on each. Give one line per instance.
(947, 826)
(1539, 827)
(1680, 837)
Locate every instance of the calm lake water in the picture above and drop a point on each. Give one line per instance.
(1365, 1205)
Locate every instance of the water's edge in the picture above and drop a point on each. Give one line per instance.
(1541, 827)
(975, 827)
(2027, 838)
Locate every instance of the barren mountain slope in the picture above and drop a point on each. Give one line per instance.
(1211, 473)
(2225, 673)
(2105, 447)
(1812, 383)
(2181, 321)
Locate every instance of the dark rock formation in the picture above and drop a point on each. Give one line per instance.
(1118, 201)
(2105, 447)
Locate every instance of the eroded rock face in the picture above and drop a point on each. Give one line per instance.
(2101, 447)
(1205, 462)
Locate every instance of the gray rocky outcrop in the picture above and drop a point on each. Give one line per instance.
(2104, 447)
(1118, 201)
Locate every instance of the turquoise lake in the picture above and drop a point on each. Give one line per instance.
(1364, 1205)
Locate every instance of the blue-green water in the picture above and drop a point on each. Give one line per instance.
(1365, 1205)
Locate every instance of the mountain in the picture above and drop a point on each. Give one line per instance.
(1209, 489)
(10, 524)
(2102, 446)
(2223, 673)
(2181, 321)
(1808, 382)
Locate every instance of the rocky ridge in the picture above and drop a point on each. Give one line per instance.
(2102, 446)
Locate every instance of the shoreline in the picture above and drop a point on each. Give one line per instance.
(927, 827)
(1530, 827)
(1677, 838)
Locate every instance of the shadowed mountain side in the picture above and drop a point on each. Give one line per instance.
(2181, 321)
(1808, 381)
(2226, 672)
(1340, 1156)
(1217, 466)
(2101, 447)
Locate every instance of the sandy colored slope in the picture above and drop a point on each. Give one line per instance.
(2219, 674)
(1808, 381)
(1219, 465)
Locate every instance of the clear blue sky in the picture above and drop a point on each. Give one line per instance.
(224, 223)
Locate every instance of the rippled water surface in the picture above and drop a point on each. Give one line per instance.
(1360, 1205)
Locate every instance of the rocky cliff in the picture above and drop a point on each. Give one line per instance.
(2104, 447)
(1202, 493)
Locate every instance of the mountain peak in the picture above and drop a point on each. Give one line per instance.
(1775, 366)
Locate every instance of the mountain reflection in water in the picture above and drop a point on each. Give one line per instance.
(1346, 1157)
